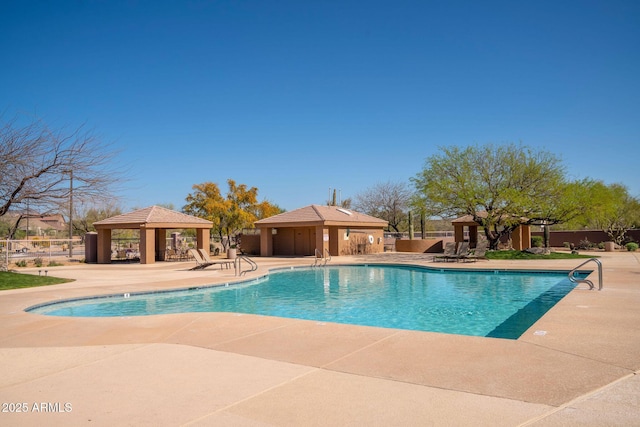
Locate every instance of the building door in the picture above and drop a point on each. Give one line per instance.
(302, 241)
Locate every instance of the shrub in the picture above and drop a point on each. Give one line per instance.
(584, 244)
(37, 262)
(631, 246)
(601, 245)
(21, 263)
(54, 264)
(536, 241)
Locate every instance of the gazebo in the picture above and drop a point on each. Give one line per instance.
(153, 223)
(301, 232)
(520, 238)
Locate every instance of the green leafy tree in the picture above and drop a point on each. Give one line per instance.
(609, 208)
(500, 187)
(86, 216)
(231, 213)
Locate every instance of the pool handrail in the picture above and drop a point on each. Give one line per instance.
(238, 265)
(320, 256)
(573, 279)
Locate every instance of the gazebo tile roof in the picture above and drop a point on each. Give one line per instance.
(154, 215)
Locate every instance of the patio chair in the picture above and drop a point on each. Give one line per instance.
(449, 251)
(461, 253)
(201, 263)
(478, 253)
(223, 262)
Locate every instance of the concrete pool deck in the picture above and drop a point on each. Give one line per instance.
(577, 365)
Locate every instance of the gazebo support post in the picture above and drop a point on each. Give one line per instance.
(473, 236)
(147, 245)
(458, 232)
(526, 236)
(266, 241)
(203, 239)
(521, 237)
(161, 244)
(104, 246)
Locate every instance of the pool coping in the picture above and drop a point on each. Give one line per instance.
(589, 351)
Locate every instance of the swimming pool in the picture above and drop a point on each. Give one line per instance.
(481, 303)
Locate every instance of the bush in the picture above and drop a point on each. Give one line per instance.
(37, 262)
(631, 246)
(21, 263)
(585, 244)
(54, 264)
(536, 241)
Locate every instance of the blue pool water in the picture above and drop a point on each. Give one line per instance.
(490, 303)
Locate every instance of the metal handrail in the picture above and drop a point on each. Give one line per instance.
(328, 257)
(238, 265)
(320, 256)
(587, 281)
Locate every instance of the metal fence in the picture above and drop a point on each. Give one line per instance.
(39, 251)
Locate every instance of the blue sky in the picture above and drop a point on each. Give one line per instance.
(296, 97)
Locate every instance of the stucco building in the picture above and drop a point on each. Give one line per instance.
(331, 229)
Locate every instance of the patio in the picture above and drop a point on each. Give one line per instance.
(230, 369)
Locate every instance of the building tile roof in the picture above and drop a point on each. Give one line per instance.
(155, 215)
(318, 214)
(36, 221)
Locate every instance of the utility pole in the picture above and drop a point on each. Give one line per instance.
(70, 172)
(27, 219)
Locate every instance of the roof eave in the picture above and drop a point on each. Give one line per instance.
(321, 223)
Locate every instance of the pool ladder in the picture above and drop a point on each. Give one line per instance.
(573, 278)
(321, 257)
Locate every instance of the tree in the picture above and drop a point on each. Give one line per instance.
(611, 209)
(38, 165)
(500, 187)
(85, 216)
(344, 203)
(231, 213)
(388, 201)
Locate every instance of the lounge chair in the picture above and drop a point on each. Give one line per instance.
(461, 253)
(201, 263)
(449, 251)
(223, 262)
(478, 253)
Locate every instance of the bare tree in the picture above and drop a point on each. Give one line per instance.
(10, 226)
(45, 167)
(388, 201)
